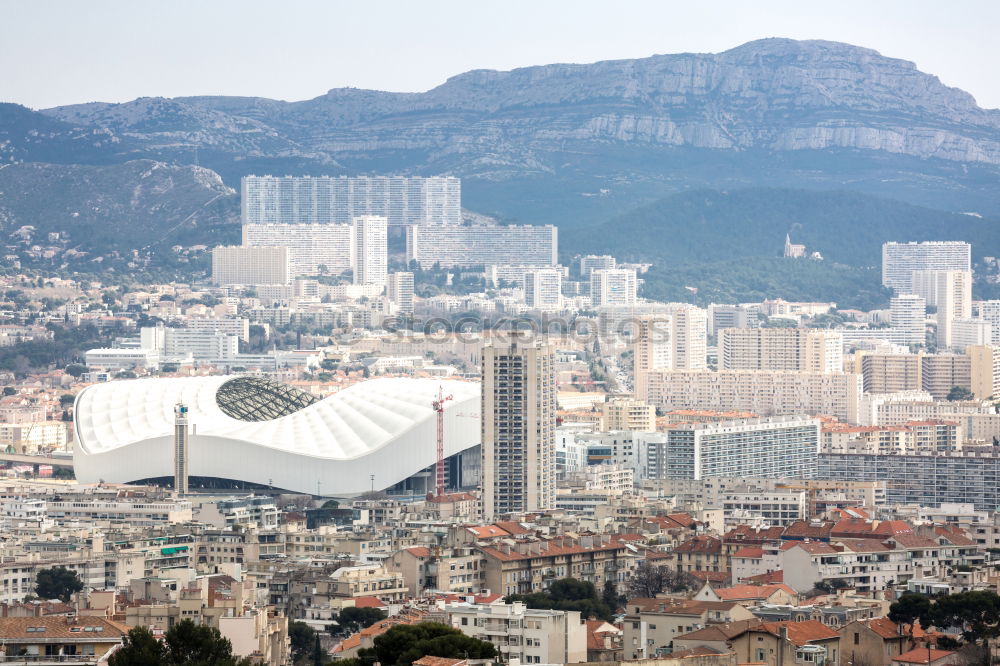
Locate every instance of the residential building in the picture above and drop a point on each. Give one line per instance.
(900, 260)
(313, 249)
(762, 392)
(950, 291)
(338, 200)
(250, 265)
(55, 639)
(939, 373)
(888, 373)
(518, 427)
(808, 349)
(399, 289)
(805, 642)
(528, 635)
(777, 447)
(673, 339)
(612, 287)
(908, 315)
(652, 625)
(543, 289)
(371, 250)
(457, 246)
(722, 316)
(985, 370)
(628, 414)
(968, 477)
(592, 262)
(967, 332)
(989, 311)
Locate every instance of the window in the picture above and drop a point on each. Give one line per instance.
(857, 638)
(465, 621)
(761, 655)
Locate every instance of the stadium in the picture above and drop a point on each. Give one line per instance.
(249, 431)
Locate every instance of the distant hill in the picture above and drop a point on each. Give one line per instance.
(116, 209)
(707, 226)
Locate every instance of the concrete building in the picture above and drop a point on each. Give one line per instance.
(888, 373)
(990, 311)
(338, 200)
(455, 246)
(628, 414)
(399, 289)
(811, 350)
(543, 289)
(966, 332)
(240, 327)
(121, 359)
(722, 316)
(250, 265)
(760, 391)
(951, 293)
(779, 447)
(593, 262)
(908, 314)
(985, 370)
(673, 339)
(518, 427)
(900, 260)
(612, 286)
(939, 373)
(528, 635)
(371, 250)
(313, 249)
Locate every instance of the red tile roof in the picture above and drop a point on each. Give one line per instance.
(800, 633)
(368, 602)
(922, 655)
(751, 592)
(750, 551)
(700, 544)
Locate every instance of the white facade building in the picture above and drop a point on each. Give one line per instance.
(951, 293)
(813, 350)
(908, 313)
(250, 265)
(371, 244)
(329, 200)
(314, 249)
(900, 260)
(399, 289)
(612, 286)
(543, 289)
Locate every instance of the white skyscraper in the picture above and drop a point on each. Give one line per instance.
(669, 340)
(314, 249)
(454, 246)
(399, 289)
(250, 265)
(371, 264)
(813, 350)
(908, 312)
(899, 260)
(518, 430)
(543, 288)
(612, 286)
(951, 293)
(326, 200)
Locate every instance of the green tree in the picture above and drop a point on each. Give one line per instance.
(567, 594)
(66, 399)
(354, 619)
(976, 613)
(332, 504)
(57, 583)
(960, 393)
(405, 643)
(76, 369)
(9, 390)
(301, 638)
(185, 644)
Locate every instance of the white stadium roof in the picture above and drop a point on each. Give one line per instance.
(255, 430)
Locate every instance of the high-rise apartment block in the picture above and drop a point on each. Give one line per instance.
(774, 448)
(985, 370)
(809, 349)
(371, 243)
(399, 289)
(594, 262)
(457, 246)
(250, 265)
(762, 392)
(543, 289)
(899, 260)
(967, 332)
(722, 316)
(314, 249)
(329, 200)
(670, 340)
(951, 293)
(518, 427)
(989, 311)
(908, 315)
(612, 286)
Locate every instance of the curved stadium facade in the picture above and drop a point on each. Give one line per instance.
(377, 433)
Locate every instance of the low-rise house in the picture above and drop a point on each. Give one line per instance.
(58, 639)
(875, 641)
(788, 643)
(651, 625)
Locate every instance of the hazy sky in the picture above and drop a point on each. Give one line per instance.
(69, 51)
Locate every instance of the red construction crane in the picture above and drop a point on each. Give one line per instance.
(438, 406)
